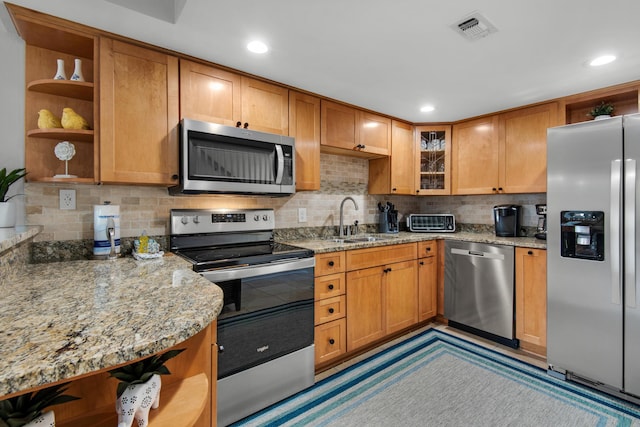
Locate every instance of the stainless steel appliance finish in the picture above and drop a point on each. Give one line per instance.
(479, 289)
(266, 327)
(593, 320)
(508, 220)
(431, 223)
(232, 160)
(541, 229)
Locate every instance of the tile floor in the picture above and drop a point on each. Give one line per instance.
(518, 354)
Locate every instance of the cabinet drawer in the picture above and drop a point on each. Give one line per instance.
(329, 309)
(427, 249)
(330, 340)
(370, 257)
(329, 286)
(329, 263)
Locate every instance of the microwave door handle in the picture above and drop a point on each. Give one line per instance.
(280, 167)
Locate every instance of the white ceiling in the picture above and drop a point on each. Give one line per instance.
(392, 56)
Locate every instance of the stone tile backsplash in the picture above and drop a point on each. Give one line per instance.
(147, 208)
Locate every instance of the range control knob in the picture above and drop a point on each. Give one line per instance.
(256, 217)
(265, 217)
(196, 220)
(184, 220)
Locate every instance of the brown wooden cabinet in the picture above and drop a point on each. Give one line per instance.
(432, 160)
(427, 280)
(138, 115)
(347, 130)
(265, 106)
(531, 299)
(304, 126)
(329, 307)
(503, 153)
(209, 94)
(395, 174)
(382, 292)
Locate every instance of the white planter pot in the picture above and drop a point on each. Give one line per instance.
(7, 215)
(136, 401)
(48, 419)
(602, 116)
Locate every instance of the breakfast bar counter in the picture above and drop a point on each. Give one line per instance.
(68, 319)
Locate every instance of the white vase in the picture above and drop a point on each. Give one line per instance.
(60, 74)
(137, 400)
(48, 419)
(7, 215)
(77, 71)
(602, 116)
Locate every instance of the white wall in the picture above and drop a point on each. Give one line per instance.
(12, 85)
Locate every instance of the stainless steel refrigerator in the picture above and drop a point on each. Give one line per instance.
(593, 194)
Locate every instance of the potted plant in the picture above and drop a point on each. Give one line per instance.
(8, 210)
(139, 387)
(26, 409)
(601, 111)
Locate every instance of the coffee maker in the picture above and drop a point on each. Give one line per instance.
(541, 230)
(508, 220)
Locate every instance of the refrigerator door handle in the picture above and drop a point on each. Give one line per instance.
(630, 233)
(614, 231)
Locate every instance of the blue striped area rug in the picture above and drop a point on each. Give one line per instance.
(435, 379)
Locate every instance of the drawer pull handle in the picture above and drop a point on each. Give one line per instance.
(332, 341)
(421, 262)
(331, 263)
(331, 310)
(530, 252)
(331, 287)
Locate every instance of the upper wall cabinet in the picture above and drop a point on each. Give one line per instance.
(433, 160)
(624, 98)
(304, 126)
(349, 131)
(214, 95)
(503, 153)
(394, 174)
(138, 114)
(46, 42)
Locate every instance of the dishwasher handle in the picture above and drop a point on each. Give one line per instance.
(472, 253)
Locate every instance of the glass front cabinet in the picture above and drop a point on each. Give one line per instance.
(433, 160)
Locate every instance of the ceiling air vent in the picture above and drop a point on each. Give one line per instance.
(474, 27)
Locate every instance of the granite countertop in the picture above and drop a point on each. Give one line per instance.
(10, 237)
(320, 245)
(65, 319)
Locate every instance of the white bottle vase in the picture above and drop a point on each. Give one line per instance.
(60, 74)
(77, 71)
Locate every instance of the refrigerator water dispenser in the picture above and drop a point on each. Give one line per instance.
(582, 234)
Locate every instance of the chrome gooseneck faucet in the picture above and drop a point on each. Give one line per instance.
(341, 232)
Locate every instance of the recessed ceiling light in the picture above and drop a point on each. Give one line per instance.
(427, 108)
(257, 46)
(602, 60)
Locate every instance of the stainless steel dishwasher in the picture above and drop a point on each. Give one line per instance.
(479, 290)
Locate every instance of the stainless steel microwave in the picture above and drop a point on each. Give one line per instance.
(431, 223)
(217, 159)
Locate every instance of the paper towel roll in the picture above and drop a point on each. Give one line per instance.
(101, 216)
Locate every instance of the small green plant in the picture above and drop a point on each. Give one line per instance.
(140, 372)
(603, 109)
(20, 410)
(7, 179)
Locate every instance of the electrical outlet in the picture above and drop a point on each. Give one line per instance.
(68, 199)
(302, 214)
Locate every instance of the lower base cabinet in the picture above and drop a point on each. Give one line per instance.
(531, 299)
(427, 280)
(330, 340)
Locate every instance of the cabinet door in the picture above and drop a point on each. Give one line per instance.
(330, 341)
(531, 298)
(433, 160)
(395, 174)
(475, 157)
(265, 107)
(523, 144)
(427, 280)
(338, 125)
(138, 115)
(304, 126)
(401, 296)
(373, 133)
(365, 307)
(209, 94)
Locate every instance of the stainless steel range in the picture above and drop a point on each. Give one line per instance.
(265, 329)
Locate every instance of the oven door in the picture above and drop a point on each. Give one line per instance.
(267, 312)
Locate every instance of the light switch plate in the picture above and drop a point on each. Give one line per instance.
(302, 214)
(68, 199)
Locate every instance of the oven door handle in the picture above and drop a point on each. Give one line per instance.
(258, 270)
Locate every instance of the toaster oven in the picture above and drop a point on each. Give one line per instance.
(431, 223)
